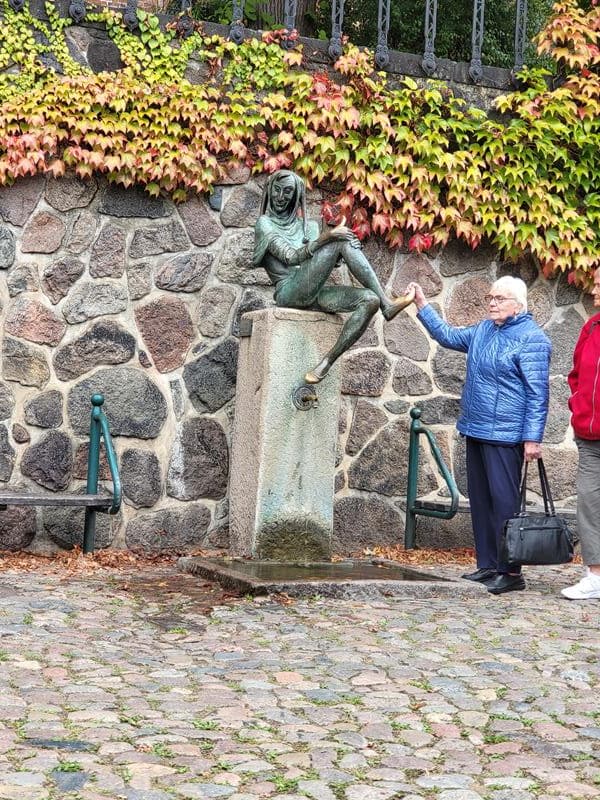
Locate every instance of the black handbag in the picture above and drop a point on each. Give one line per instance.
(537, 538)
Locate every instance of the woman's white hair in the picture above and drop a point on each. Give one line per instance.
(512, 287)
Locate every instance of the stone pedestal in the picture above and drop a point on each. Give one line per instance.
(283, 458)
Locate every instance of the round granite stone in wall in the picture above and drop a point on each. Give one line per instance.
(134, 405)
(135, 464)
(60, 275)
(139, 279)
(69, 192)
(214, 310)
(7, 247)
(158, 239)
(167, 330)
(410, 379)
(108, 254)
(382, 466)
(467, 306)
(524, 268)
(242, 209)
(540, 303)
(566, 293)
(45, 410)
(118, 201)
(29, 319)
(365, 373)
(440, 410)
(44, 234)
(7, 455)
(17, 527)
(210, 379)
(563, 330)
(7, 400)
(561, 467)
(81, 462)
(171, 530)
(22, 278)
(459, 462)
(251, 301)
(235, 263)
(20, 434)
(365, 522)
(449, 370)
(88, 300)
(186, 273)
(457, 258)
(558, 412)
(199, 462)
(24, 363)
(49, 462)
(104, 343)
(406, 337)
(366, 421)
(18, 201)
(82, 233)
(380, 256)
(417, 267)
(202, 227)
(64, 526)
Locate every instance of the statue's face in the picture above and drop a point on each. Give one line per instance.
(282, 194)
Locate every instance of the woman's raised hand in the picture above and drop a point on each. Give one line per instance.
(420, 299)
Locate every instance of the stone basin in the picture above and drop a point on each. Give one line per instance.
(351, 578)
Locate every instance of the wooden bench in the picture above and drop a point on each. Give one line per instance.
(91, 500)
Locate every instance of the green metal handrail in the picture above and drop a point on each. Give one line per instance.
(98, 429)
(417, 427)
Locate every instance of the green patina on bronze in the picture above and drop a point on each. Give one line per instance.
(299, 260)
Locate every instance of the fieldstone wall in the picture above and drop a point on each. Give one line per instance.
(106, 289)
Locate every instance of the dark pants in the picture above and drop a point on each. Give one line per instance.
(493, 479)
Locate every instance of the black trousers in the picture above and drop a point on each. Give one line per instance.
(494, 482)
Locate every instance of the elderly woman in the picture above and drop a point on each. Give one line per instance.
(299, 260)
(504, 407)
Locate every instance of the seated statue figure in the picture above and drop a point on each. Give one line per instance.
(299, 260)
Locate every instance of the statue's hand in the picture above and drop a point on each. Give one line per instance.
(341, 233)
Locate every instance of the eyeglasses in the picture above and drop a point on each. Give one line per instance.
(497, 298)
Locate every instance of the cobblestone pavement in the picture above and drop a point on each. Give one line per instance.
(114, 691)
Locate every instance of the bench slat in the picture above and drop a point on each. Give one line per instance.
(44, 499)
(463, 507)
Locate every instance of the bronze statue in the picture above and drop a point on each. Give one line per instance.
(299, 259)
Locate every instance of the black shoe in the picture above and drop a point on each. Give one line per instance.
(506, 583)
(482, 574)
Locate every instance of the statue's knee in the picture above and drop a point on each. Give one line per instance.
(370, 301)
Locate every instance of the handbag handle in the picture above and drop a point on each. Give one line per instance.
(547, 498)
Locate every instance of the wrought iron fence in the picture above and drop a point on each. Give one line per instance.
(429, 61)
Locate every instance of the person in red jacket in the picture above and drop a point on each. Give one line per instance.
(584, 403)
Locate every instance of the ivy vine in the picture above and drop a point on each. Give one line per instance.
(414, 165)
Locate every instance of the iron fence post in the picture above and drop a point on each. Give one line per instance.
(337, 20)
(382, 54)
(429, 63)
(476, 68)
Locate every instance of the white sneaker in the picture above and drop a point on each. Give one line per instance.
(588, 588)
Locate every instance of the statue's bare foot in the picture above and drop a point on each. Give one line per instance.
(397, 305)
(318, 373)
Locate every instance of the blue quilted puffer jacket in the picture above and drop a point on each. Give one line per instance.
(505, 396)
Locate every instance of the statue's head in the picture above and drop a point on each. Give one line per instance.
(283, 196)
(284, 193)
